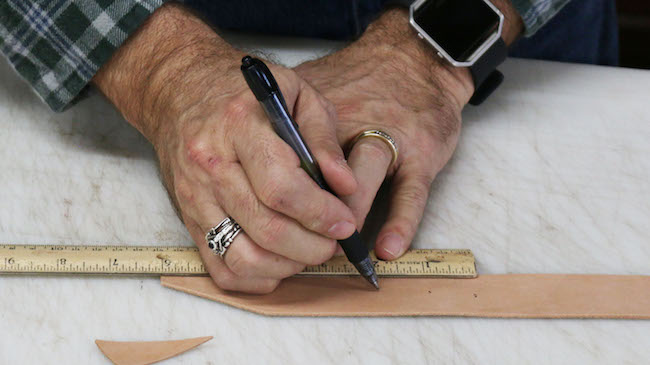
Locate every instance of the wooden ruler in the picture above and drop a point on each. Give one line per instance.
(162, 260)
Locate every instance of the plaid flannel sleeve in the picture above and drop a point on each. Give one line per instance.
(58, 45)
(535, 13)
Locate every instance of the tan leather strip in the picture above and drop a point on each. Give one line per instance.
(144, 353)
(501, 296)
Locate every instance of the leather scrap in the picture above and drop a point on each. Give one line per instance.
(495, 296)
(144, 353)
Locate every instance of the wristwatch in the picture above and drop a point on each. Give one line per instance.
(466, 33)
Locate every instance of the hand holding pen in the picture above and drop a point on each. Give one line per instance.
(221, 158)
(266, 90)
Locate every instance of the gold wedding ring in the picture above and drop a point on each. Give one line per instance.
(385, 137)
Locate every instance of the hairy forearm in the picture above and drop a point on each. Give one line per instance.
(147, 76)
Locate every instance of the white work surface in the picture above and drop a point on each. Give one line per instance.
(550, 176)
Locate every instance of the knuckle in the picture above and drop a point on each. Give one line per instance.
(324, 253)
(197, 149)
(273, 231)
(422, 181)
(268, 286)
(223, 176)
(200, 152)
(414, 198)
(311, 211)
(326, 146)
(416, 194)
(225, 281)
(243, 265)
(275, 195)
(314, 213)
(406, 226)
(236, 110)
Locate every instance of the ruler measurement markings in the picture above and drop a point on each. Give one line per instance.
(52, 259)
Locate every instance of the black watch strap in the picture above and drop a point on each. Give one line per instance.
(486, 77)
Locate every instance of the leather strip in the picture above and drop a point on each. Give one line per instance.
(143, 353)
(496, 296)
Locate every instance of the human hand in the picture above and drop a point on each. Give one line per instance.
(389, 80)
(220, 157)
(392, 81)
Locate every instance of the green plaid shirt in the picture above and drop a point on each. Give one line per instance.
(536, 13)
(58, 45)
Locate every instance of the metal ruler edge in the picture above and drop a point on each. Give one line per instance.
(186, 261)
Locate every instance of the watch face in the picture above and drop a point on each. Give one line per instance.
(458, 26)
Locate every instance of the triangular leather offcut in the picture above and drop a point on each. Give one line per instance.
(143, 353)
(501, 296)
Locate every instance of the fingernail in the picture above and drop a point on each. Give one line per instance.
(393, 244)
(342, 230)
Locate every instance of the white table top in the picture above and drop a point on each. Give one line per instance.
(551, 176)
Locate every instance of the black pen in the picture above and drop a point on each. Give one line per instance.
(266, 90)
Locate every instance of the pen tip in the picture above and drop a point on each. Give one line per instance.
(367, 269)
(372, 279)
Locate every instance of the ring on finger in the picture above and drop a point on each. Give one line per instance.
(381, 135)
(221, 236)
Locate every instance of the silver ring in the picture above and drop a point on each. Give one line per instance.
(221, 236)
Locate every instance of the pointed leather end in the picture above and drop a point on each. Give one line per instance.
(144, 353)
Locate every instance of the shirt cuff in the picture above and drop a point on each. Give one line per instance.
(59, 46)
(536, 13)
